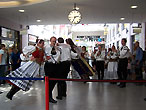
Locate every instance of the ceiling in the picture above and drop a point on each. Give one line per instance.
(93, 11)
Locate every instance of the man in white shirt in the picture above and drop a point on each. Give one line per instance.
(123, 63)
(51, 66)
(100, 58)
(64, 67)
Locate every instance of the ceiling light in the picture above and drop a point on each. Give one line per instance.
(38, 20)
(21, 11)
(15, 3)
(122, 18)
(134, 7)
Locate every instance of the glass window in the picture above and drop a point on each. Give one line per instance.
(32, 39)
(137, 37)
(8, 33)
(8, 43)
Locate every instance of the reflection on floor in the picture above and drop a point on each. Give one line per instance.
(89, 96)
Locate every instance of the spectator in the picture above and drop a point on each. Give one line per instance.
(3, 59)
(85, 54)
(15, 59)
(100, 58)
(123, 62)
(112, 64)
(139, 62)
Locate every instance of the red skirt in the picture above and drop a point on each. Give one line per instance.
(11, 83)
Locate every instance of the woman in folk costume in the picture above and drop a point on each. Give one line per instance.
(112, 64)
(26, 54)
(80, 64)
(34, 57)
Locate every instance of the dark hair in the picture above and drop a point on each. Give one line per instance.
(109, 49)
(2, 45)
(70, 42)
(60, 40)
(114, 47)
(72, 45)
(39, 41)
(67, 41)
(137, 42)
(84, 47)
(52, 38)
(125, 40)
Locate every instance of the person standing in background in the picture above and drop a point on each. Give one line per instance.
(85, 54)
(3, 62)
(139, 62)
(112, 64)
(100, 58)
(93, 59)
(15, 59)
(123, 63)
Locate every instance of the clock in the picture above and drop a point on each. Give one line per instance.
(74, 16)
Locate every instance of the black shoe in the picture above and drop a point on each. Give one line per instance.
(118, 84)
(59, 97)
(111, 82)
(122, 86)
(12, 91)
(114, 83)
(9, 96)
(85, 82)
(144, 99)
(52, 100)
(64, 95)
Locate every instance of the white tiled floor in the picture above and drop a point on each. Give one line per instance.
(89, 96)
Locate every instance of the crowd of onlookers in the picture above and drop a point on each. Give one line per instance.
(104, 61)
(9, 60)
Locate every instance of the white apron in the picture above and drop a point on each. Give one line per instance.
(28, 70)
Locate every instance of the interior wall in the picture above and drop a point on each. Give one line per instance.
(9, 24)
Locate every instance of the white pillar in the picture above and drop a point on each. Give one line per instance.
(24, 39)
(143, 35)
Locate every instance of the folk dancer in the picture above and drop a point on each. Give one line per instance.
(51, 66)
(29, 70)
(80, 64)
(64, 68)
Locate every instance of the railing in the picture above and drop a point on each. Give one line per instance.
(79, 80)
